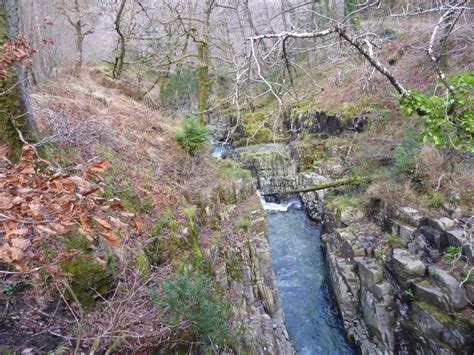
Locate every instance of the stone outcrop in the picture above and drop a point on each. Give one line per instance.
(242, 265)
(395, 294)
(321, 123)
(392, 285)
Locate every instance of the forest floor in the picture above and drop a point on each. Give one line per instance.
(115, 181)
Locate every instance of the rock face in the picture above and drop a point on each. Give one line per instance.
(394, 291)
(321, 123)
(242, 265)
(394, 294)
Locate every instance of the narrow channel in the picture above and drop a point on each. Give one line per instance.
(311, 317)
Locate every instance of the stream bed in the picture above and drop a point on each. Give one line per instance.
(311, 317)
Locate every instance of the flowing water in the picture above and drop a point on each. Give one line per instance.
(311, 317)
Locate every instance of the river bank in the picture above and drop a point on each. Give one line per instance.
(388, 264)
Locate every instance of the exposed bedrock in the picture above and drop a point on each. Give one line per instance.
(396, 289)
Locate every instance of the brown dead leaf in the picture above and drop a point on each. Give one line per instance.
(75, 181)
(85, 224)
(6, 202)
(101, 262)
(110, 237)
(20, 231)
(45, 229)
(59, 228)
(99, 167)
(103, 222)
(137, 225)
(3, 151)
(36, 211)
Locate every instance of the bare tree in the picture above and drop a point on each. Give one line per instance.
(78, 16)
(120, 55)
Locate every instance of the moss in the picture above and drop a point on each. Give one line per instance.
(394, 241)
(76, 241)
(233, 270)
(425, 283)
(302, 107)
(13, 109)
(233, 170)
(440, 316)
(256, 128)
(165, 221)
(88, 278)
(166, 224)
(190, 214)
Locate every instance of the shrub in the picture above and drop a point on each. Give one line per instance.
(191, 298)
(405, 157)
(193, 136)
(448, 120)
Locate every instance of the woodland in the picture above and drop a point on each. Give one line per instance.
(121, 233)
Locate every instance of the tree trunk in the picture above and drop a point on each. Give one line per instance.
(15, 115)
(203, 78)
(120, 56)
(336, 183)
(204, 61)
(79, 46)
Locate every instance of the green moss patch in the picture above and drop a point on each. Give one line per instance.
(88, 280)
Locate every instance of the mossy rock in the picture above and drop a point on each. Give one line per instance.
(440, 316)
(233, 270)
(88, 279)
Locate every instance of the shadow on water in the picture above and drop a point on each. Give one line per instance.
(311, 316)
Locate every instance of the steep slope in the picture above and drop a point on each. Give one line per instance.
(198, 224)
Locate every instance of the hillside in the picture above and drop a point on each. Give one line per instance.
(181, 221)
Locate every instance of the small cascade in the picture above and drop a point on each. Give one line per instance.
(283, 206)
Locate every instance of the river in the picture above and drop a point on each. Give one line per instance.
(311, 317)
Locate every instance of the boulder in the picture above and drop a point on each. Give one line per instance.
(456, 294)
(435, 237)
(442, 224)
(406, 266)
(352, 215)
(411, 216)
(458, 238)
(369, 271)
(383, 292)
(431, 294)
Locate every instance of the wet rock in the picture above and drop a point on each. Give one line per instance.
(357, 124)
(313, 205)
(379, 319)
(435, 237)
(456, 293)
(435, 332)
(422, 246)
